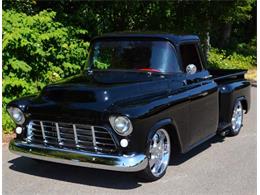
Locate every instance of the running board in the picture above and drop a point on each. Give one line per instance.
(222, 126)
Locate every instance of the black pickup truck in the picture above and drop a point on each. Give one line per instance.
(141, 98)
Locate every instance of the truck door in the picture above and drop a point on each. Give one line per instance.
(203, 95)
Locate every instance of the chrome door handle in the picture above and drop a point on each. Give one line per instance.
(207, 77)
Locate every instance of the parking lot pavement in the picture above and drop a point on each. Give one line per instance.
(219, 166)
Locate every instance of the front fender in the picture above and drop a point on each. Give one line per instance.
(172, 130)
(21, 103)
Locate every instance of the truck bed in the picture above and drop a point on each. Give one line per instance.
(232, 86)
(225, 75)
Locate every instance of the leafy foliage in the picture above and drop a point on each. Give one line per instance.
(220, 60)
(196, 17)
(37, 50)
(247, 49)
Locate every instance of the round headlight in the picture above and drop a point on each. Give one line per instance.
(121, 124)
(17, 115)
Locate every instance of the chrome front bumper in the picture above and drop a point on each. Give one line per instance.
(124, 163)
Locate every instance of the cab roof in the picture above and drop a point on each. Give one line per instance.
(171, 37)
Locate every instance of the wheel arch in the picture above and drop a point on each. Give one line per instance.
(169, 125)
(243, 101)
(244, 104)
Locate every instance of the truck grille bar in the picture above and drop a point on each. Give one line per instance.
(43, 132)
(72, 136)
(75, 135)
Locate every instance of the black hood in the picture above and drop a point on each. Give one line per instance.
(100, 85)
(97, 92)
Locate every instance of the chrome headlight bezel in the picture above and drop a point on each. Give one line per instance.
(17, 115)
(121, 124)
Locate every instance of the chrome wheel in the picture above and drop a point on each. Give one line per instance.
(159, 152)
(237, 117)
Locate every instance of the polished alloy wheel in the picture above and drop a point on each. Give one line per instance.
(159, 152)
(237, 117)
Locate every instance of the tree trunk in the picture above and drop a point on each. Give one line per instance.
(226, 33)
(207, 46)
(208, 29)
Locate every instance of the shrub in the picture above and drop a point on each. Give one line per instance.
(37, 50)
(219, 59)
(247, 48)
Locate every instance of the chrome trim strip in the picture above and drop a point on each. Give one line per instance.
(43, 133)
(93, 137)
(58, 133)
(75, 134)
(124, 163)
(77, 124)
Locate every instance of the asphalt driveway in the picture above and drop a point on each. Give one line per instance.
(219, 166)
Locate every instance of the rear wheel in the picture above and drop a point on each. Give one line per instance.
(158, 156)
(237, 119)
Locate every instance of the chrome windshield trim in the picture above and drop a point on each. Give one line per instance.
(124, 163)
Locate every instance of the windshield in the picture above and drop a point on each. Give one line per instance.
(145, 55)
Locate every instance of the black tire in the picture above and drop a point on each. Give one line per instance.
(147, 174)
(237, 119)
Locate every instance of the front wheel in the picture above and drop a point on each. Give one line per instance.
(158, 156)
(237, 119)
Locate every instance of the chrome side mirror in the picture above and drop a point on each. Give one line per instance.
(191, 69)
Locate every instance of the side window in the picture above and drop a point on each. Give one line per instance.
(173, 62)
(190, 55)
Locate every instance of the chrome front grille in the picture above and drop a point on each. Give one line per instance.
(73, 136)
